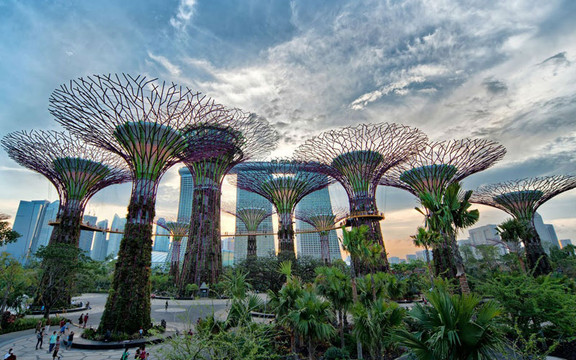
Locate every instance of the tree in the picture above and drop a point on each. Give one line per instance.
(512, 231)
(7, 235)
(453, 327)
(374, 324)
(311, 319)
(15, 281)
(426, 239)
(334, 284)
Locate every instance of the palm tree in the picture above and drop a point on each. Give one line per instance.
(453, 327)
(374, 324)
(311, 319)
(426, 238)
(243, 301)
(334, 285)
(353, 242)
(446, 213)
(284, 302)
(512, 231)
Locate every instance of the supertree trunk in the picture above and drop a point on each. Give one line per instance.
(286, 235)
(123, 312)
(252, 247)
(459, 265)
(536, 258)
(374, 234)
(324, 247)
(175, 260)
(443, 255)
(58, 278)
(203, 258)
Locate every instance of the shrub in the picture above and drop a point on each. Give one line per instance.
(334, 353)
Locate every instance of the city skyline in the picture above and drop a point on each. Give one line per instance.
(501, 71)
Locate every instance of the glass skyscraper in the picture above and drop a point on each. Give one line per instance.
(161, 243)
(86, 237)
(114, 239)
(186, 192)
(308, 244)
(98, 252)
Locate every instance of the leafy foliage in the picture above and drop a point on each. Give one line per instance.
(7, 235)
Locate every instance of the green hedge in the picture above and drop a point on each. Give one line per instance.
(28, 323)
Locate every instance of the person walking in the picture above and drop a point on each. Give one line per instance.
(166, 306)
(56, 349)
(70, 339)
(10, 355)
(85, 320)
(125, 354)
(53, 339)
(38, 326)
(80, 320)
(40, 338)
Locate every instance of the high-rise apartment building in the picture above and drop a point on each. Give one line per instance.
(86, 237)
(43, 235)
(114, 239)
(100, 246)
(308, 244)
(27, 222)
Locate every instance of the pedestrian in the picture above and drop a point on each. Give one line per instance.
(38, 326)
(70, 339)
(10, 355)
(143, 354)
(47, 327)
(62, 329)
(125, 354)
(81, 320)
(53, 338)
(166, 306)
(141, 332)
(62, 322)
(56, 349)
(137, 354)
(40, 337)
(85, 320)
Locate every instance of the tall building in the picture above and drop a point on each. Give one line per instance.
(486, 235)
(114, 239)
(27, 223)
(411, 257)
(162, 237)
(546, 232)
(308, 244)
(186, 192)
(228, 251)
(100, 246)
(43, 236)
(86, 237)
(394, 260)
(565, 242)
(421, 254)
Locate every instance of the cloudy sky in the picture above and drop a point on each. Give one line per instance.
(503, 70)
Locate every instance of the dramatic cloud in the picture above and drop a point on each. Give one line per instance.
(498, 70)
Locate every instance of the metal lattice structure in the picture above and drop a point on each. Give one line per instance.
(284, 183)
(240, 136)
(324, 222)
(178, 230)
(357, 157)
(521, 198)
(251, 217)
(142, 121)
(77, 171)
(431, 170)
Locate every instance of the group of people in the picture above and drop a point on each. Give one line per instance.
(83, 320)
(140, 354)
(62, 336)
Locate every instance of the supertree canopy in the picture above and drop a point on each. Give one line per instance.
(429, 173)
(251, 217)
(284, 183)
(178, 230)
(239, 137)
(357, 157)
(322, 221)
(521, 199)
(78, 171)
(141, 120)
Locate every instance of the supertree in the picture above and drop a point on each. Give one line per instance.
(78, 171)
(178, 230)
(428, 174)
(323, 221)
(239, 137)
(251, 217)
(521, 199)
(141, 120)
(357, 157)
(284, 183)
